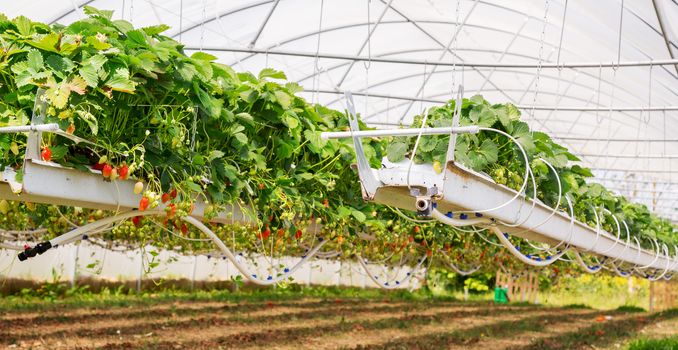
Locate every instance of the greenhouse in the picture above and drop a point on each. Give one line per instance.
(330, 174)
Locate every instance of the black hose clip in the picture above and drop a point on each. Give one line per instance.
(38, 249)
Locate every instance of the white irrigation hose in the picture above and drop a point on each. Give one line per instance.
(587, 268)
(618, 231)
(656, 245)
(10, 246)
(668, 265)
(520, 256)
(638, 248)
(595, 243)
(626, 244)
(85, 229)
(525, 177)
(387, 284)
(560, 194)
(569, 236)
(458, 222)
(522, 203)
(270, 280)
(675, 257)
(29, 128)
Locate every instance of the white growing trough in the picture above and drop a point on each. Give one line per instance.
(50, 183)
(461, 197)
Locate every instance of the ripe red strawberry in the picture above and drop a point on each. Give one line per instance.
(297, 235)
(281, 232)
(98, 166)
(143, 204)
(71, 129)
(184, 229)
(136, 221)
(123, 172)
(261, 186)
(429, 253)
(107, 170)
(46, 154)
(326, 203)
(411, 239)
(266, 233)
(165, 198)
(173, 193)
(416, 229)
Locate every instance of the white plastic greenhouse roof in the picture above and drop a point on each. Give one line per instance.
(618, 112)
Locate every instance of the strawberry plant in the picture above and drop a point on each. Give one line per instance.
(188, 127)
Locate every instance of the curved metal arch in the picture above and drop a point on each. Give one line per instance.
(633, 45)
(395, 21)
(391, 53)
(431, 97)
(66, 13)
(220, 15)
(584, 72)
(264, 2)
(553, 77)
(536, 107)
(383, 22)
(418, 74)
(233, 11)
(243, 8)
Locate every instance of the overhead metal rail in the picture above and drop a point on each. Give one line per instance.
(656, 171)
(630, 156)
(576, 138)
(536, 107)
(547, 65)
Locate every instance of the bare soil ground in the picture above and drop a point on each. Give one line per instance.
(328, 324)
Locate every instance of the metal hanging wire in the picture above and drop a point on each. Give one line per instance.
(316, 69)
(455, 45)
(181, 18)
(558, 95)
(202, 25)
(367, 65)
(540, 58)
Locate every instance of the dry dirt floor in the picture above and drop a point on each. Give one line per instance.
(328, 324)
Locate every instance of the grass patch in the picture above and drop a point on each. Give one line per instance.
(576, 307)
(105, 298)
(630, 308)
(655, 344)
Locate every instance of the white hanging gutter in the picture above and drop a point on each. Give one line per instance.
(459, 190)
